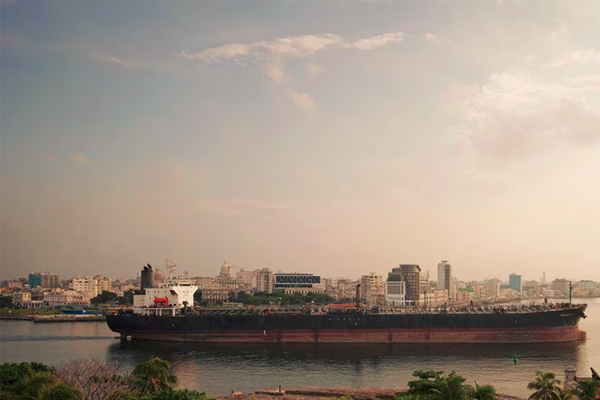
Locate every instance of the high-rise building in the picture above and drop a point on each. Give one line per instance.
(372, 290)
(514, 282)
(46, 280)
(264, 280)
(403, 285)
(444, 275)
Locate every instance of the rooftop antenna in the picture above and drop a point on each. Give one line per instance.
(170, 267)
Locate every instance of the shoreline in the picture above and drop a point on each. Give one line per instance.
(328, 394)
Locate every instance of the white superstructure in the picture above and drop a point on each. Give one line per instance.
(165, 300)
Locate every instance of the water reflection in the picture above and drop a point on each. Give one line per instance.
(215, 367)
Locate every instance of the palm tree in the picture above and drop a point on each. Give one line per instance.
(44, 385)
(563, 394)
(153, 376)
(587, 389)
(452, 387)
(545, 385)
(483, 392)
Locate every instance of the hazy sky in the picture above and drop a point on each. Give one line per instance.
(335, 138)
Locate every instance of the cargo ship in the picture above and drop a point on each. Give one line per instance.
(167, 314)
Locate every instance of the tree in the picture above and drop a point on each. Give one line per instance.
(483, 392)
(545, 385)
(587, 389)
(452, 387)
(153, 376)
(104, 297)
(6, 302)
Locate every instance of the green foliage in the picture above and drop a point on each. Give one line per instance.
(182, 394)
(6, 302)
(34, 381)
(427, 380)
(62, 391)
(483, 392)
(105, 297)
(153, 376)
(545, 385)
(587, 389)
(11, 374)
(434, 385)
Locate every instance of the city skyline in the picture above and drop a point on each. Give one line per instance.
(334, 137)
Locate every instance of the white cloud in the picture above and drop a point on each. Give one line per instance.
(374, 42)
(301, 99)
(515, 115)
(287, 46)
(580, 57)
(117, 61)
(314, 69)
(430, 37)
(275, 72)
(271, 55)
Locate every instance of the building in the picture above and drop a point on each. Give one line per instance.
(296, 283)
(21, 298)
(59, 297)
(46, 280)
(444, 276)
(514, 282)
(492, 288)
(265, 281)
(104, 283)
(404, 284)
(85, 285)
(372, 290)
(561, 287)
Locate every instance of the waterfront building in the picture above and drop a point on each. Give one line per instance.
(59, 297)
(514, 282)
(444, 276)
(21, 298)
(296, 283)
(85, 285)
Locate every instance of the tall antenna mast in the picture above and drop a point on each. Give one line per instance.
(170, 267)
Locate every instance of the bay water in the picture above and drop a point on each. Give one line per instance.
(219, 368)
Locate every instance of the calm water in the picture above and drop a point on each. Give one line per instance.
(219, 368)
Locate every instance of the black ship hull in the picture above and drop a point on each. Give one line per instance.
(555, 325)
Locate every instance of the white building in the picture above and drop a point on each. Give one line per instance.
(85, 285)
(59, 297)
(395, 294)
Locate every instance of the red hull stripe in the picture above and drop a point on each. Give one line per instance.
(473, 335)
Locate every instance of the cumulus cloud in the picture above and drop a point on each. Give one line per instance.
(271, 56)
(301, 99)
(374, 42)
(430, 37)
(116, 61)
(580, 57)
(79, 159)
(515, 115)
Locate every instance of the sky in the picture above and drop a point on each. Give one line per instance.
(326, 137)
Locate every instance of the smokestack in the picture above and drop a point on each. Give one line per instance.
(358, 295)
(147, 280)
